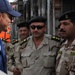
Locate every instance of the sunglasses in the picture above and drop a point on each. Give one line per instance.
(38, 27)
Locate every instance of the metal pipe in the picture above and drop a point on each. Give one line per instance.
(48, 15)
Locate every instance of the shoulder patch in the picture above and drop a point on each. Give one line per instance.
(56, 38)
(15, 41)
(23, 41)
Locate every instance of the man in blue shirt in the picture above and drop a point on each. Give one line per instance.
(6, 14)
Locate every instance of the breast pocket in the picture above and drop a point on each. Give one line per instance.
(49, 59)
(26, 59)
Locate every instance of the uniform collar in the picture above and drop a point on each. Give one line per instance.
(44, 42)
(73, 43)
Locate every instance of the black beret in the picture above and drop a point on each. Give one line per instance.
(23, 24)
(38, 19)
(68, 15)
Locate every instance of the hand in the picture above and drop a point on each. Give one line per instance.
(16, 71)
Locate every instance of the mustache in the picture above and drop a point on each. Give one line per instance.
(62, 30)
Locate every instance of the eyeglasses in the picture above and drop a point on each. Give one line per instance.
(38, 27)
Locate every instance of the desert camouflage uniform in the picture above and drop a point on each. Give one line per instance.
(21, 45)
(38, 61)
(10, 55)
(66, 60)
(11, 63)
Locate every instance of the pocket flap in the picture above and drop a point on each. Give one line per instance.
(25, 54)
(49, 54)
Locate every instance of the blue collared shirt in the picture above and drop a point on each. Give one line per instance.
(3, 66)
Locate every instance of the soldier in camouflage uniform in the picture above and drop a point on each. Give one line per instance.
(66, 55)
(9, 53)
(24, 33)
(38, 57)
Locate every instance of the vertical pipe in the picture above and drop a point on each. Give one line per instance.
(53, 18)
(32, 8)
(48, 15)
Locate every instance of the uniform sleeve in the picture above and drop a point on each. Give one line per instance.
(10, 60)
(17, 56)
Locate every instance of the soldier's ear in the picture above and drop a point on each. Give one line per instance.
(45, 28)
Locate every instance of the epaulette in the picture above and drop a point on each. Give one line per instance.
(15, 41)
(56, 38)
(22, 42)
